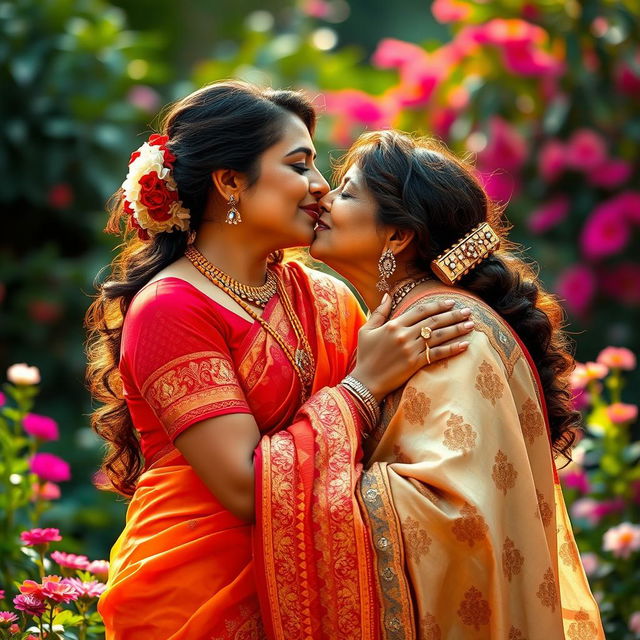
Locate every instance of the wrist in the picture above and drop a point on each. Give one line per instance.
(378, 393)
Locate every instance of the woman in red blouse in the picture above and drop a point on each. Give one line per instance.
(204, 344)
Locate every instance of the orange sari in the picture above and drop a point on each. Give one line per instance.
(183, 569)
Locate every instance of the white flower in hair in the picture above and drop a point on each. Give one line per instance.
(150, 192)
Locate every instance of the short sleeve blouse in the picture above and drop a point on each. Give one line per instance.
(176, 362)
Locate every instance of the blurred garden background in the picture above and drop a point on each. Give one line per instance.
(544, 94)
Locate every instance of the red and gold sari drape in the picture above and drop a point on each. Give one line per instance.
(183, 568)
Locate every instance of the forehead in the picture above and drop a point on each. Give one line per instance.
(294, 134)
(353, 175)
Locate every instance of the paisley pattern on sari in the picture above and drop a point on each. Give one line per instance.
(479, 478)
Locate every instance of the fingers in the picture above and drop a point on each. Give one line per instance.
(443, 352)
(423, 311)
(379, 315)
(439, 336)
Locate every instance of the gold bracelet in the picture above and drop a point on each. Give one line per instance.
(365, 395)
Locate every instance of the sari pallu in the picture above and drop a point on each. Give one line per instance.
(183, 569)
(461, 496)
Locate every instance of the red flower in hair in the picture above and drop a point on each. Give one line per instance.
(157, 140)
(156, 196)
(134, 155)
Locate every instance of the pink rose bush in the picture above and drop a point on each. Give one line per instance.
(602, 485)
(45, 602)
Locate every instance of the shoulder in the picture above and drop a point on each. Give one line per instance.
(319, 281)
(500, 339)
(170, 301)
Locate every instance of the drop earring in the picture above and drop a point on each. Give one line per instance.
(233, 215)
(386, 266)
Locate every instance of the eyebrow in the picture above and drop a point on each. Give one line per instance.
(305, 150)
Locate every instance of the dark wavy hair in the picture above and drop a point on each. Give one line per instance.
(223, 125)
(419, 185)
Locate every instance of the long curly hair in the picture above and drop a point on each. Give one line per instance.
(419, 185)
(223, 125)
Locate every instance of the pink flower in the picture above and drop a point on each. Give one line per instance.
(612, 173)
(586, 509)
(2, 593)
(3, 399)
(621, 283)
(512, 31)
(450, 10)
(628, 205)
(579, 378)
(316, 8)
(99, 568)
(586, 150)
(634, 622)
(552, 160)
(622, 540)
(70, 560)
(499, 185)
(86, 590)
(22, 374)
(605, 233)
(595, 370)
(549, 215)
(580, 399)
(49, 467)
(41, 427)
(356, 106)
(577, 286)
(617, 358)
(525, 60)
(46, 491)
(590, 562)
(575, 478)
(507, 148)
(144, 98)
(40, 536)
(7, 618)
(396, 54)
(58, 590)
(30, 604)
(620, 413)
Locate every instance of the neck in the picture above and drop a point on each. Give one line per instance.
(226, 247)
(365, 282)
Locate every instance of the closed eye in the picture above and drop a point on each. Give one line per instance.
(344, 195)
(300, 168)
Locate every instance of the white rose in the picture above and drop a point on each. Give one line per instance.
(22, 374)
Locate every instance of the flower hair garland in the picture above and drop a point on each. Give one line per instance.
(150, 192)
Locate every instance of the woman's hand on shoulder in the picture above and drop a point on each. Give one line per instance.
(390, 352)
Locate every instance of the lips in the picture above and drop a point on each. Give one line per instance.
(320, 225)
(312, 210)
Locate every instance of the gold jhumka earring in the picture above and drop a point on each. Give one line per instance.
(233, 215)
(386, 266)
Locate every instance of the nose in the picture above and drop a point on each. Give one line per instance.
(326, 200)
(318, 186)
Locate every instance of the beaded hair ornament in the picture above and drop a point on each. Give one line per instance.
(150, 193)
(466, 254)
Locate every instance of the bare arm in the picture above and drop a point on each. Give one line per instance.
(220, 450)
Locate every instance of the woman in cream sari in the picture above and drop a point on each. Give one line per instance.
(467, 536)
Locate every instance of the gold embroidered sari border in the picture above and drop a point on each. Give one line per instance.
(397, 615)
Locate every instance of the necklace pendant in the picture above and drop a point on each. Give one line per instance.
(303, 362)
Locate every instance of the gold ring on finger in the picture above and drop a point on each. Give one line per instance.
(426, 332)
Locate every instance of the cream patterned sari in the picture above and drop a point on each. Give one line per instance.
(460, 494)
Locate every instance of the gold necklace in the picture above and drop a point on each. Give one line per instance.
(302, 358)
(398, 295)
(259, 296)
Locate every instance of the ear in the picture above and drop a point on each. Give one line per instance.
(399, 239)
(228, 182)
